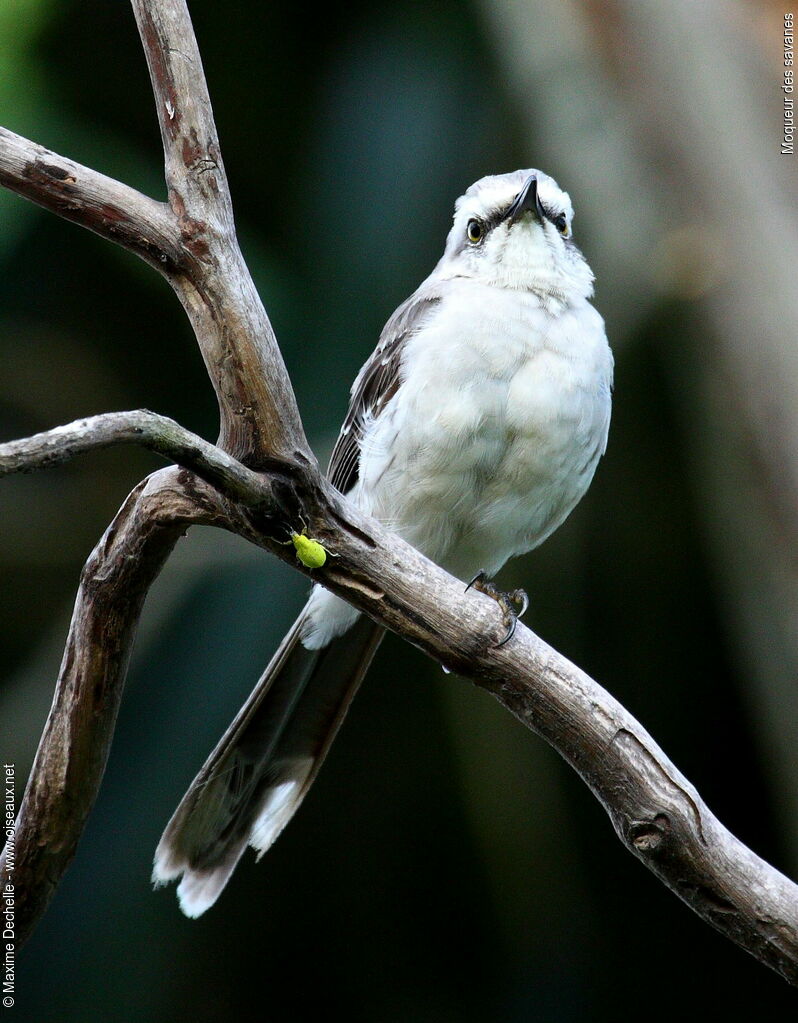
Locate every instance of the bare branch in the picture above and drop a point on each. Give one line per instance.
(157, 433)
(658, 815)
(195, 174)
(656, 812)
(192, 243)
(86, 197)
(259, 417)
(73, 751)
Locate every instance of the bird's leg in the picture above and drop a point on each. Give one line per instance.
(508, 602)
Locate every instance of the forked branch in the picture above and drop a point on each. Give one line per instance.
(657, 814)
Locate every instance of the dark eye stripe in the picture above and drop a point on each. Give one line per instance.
(499, 215)
(490, 221)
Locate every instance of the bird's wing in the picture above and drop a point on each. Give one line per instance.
(377, 383)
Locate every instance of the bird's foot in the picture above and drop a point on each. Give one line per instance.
(513, 604)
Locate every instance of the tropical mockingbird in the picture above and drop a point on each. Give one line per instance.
(472, 432)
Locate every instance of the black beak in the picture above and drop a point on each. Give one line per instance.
(527, 199)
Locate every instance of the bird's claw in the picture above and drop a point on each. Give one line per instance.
(508, 602)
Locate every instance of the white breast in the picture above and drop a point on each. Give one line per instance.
(497, 428)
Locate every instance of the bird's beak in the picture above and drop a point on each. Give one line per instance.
(527, 199)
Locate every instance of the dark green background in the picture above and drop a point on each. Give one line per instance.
(447, 865)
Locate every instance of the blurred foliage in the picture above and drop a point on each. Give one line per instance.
(447, 866)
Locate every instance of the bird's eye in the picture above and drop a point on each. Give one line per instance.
(475, 231)
(561, 223)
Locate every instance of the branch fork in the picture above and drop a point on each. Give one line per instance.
(260, 476)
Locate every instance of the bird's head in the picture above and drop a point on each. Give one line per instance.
(514, 231)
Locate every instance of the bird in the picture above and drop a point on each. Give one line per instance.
(473, 430)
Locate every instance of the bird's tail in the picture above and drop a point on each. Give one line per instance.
(255, 779)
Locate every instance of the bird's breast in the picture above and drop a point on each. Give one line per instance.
(498, 424)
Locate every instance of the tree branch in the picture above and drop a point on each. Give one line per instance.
(84, 196)
(194, 170)
(259, 416)
(191, 240)
(74, 747)
(157, 433)
(657, 814)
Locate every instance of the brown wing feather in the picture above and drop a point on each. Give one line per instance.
(376, 384)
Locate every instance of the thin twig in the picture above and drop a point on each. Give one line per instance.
(157, 433)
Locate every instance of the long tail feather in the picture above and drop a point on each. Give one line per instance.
(254, 781)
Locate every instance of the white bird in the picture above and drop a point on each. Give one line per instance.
(472, 432)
